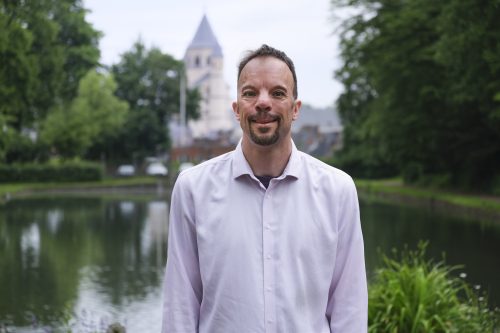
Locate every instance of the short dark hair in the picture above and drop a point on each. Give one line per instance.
(268, 51)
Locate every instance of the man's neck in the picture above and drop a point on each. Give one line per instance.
(267, 160)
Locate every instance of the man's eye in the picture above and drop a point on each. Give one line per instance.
(279, 93)
(248, 93)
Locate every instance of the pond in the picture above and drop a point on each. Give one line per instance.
(88, 261)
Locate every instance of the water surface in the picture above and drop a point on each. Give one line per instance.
(87, 261)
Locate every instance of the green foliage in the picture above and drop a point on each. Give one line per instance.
(411, 294)
(6, 136)
(18, 73)
(81, 42)
(23, 149)
(420, 81)
(70, 171)
(46, 46)
(150, 82)
(93, 116)
(68, 130)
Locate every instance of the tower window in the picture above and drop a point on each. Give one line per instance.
(197, 61)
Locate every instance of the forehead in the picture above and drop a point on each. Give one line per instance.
(266, 70)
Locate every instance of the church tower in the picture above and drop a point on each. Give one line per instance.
(204, 70)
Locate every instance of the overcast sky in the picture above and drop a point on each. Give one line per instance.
(301, 28)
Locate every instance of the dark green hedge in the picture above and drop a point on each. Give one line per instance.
(64, 172)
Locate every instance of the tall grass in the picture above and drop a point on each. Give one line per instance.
(410, 294)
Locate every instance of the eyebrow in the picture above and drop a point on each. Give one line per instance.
(247, 86)
(278, 86)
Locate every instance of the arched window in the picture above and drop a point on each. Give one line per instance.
(197, 61)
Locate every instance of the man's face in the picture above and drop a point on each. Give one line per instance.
(265, 106)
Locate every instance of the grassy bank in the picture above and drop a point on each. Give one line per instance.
(482, 206)
(13, 190)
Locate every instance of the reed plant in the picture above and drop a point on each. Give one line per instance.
(410, 294)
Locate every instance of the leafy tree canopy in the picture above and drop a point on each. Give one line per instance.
(149, 81)
(46, 47)
(420, 81)
(93, 116)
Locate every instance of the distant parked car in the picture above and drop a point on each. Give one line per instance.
(156, 169)
(125, 170)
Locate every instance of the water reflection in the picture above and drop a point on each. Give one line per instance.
(100, 259)
(54, 218)
(30, 246)
(156, 230)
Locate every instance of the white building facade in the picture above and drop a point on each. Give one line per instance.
(204, 63)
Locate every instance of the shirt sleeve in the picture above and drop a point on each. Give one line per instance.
(347, 308)
(182, 293)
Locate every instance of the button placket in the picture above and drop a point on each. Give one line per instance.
(268, 241)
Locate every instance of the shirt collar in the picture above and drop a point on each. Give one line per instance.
(241, 166)
(240, 163)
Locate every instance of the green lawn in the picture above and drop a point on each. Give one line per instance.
(12, 189)
(396, 187)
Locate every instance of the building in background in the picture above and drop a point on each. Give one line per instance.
(318, 131)
(204, 63)
(216, 131)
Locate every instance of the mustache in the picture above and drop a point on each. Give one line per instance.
(263, 116)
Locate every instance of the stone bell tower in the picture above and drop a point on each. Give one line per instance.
(204, 63)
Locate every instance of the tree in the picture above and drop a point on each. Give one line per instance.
(469, 47)
(418, 97)
(19, 71)
(46, 47)
(95, 116)
(81, 44)
(149, 81)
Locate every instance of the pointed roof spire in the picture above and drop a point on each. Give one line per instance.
(205, 37)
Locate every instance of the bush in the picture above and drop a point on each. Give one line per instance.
(60, 172)
(23, 150)
(415, 295)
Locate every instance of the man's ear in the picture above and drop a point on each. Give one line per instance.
(296, 109)
(236, 111)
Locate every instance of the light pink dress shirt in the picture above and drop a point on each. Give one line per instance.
(245, 259)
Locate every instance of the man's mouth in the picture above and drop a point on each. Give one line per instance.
(264, 121)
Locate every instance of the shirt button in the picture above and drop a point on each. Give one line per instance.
(270, 321)
(269, 289)
(269, 256)
(268, 226)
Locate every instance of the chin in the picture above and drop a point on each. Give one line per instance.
(264, 140)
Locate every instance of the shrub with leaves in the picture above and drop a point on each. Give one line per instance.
(412, 294)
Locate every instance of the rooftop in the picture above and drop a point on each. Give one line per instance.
(205, 38)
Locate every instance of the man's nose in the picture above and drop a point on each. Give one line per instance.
(263, 102)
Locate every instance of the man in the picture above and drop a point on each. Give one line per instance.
(265, 238)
